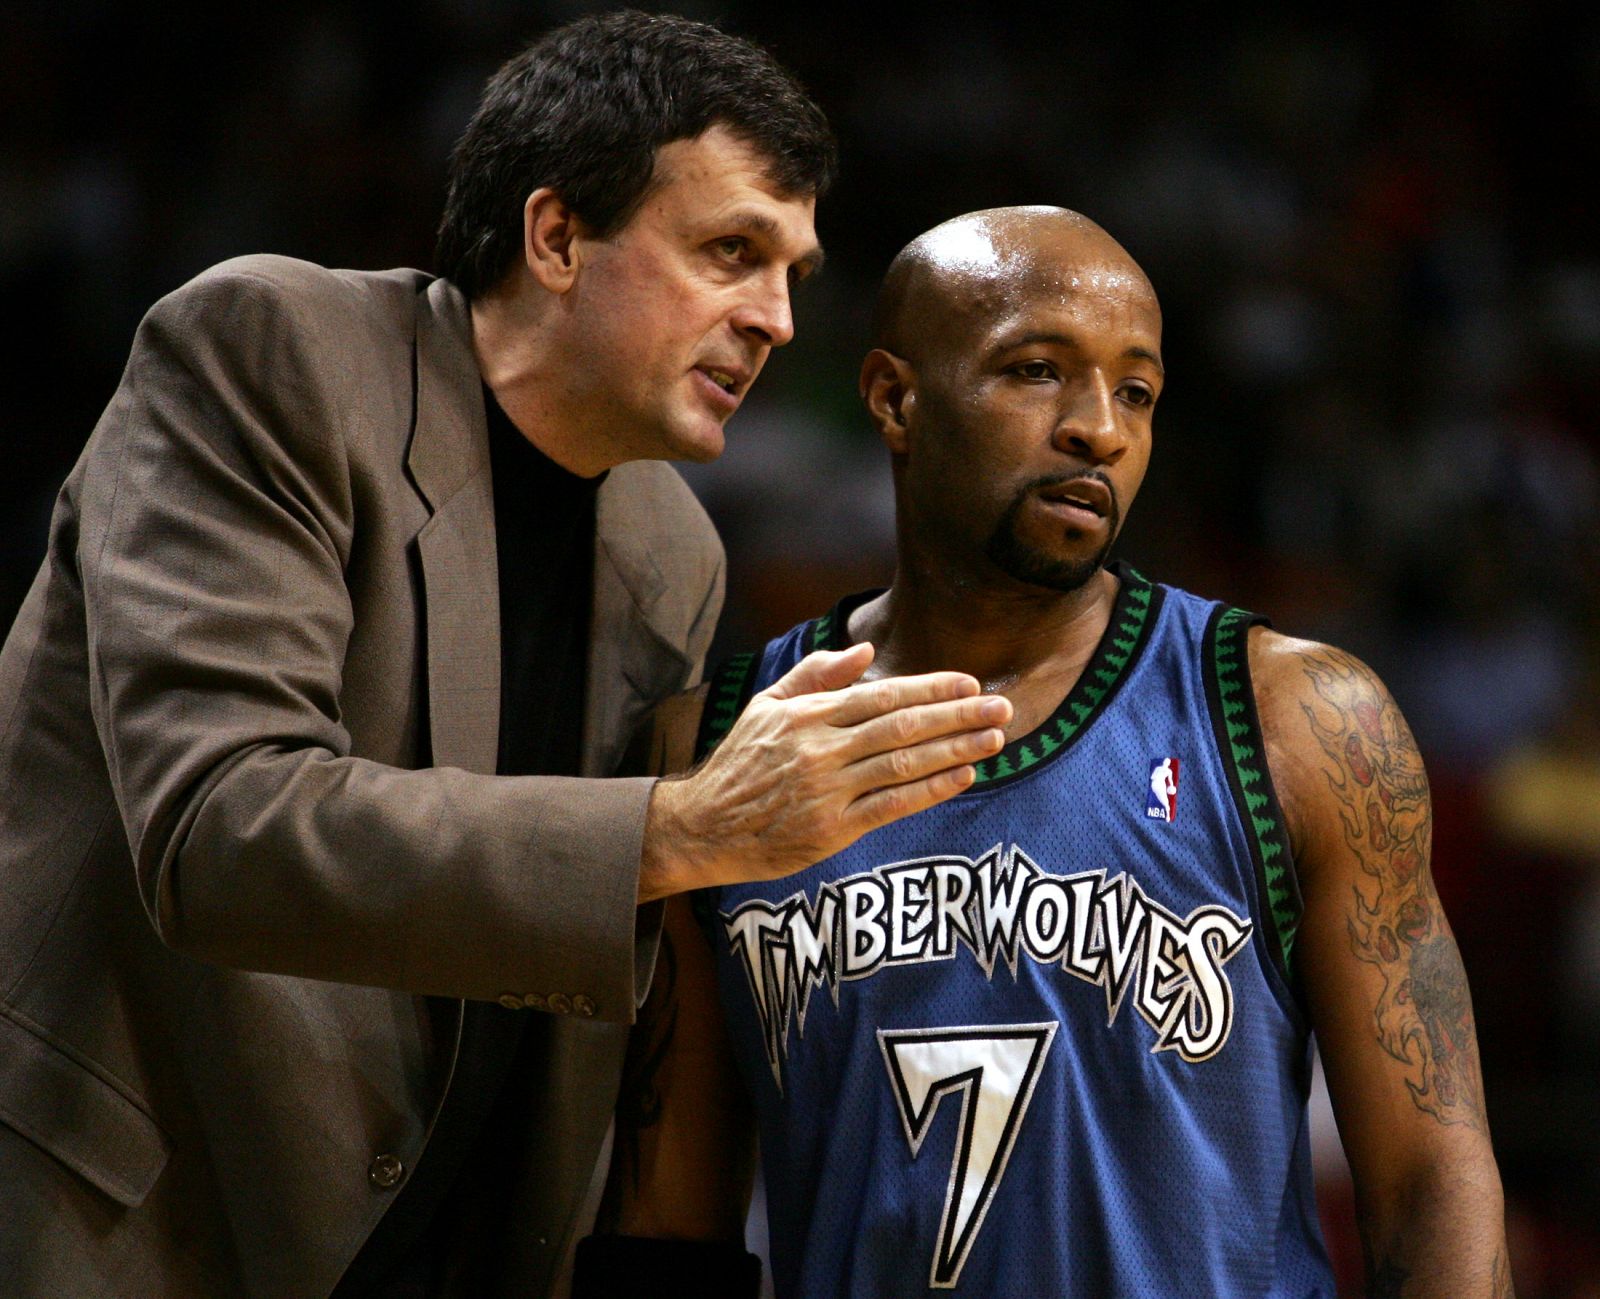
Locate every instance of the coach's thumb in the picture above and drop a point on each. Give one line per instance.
(823, 670)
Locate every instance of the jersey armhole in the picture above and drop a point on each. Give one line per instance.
(1236, 724)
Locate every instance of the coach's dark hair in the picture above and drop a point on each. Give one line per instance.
(584, 109)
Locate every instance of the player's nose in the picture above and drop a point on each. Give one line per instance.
(1089, 427)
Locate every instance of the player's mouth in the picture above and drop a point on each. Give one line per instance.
(1085, 502)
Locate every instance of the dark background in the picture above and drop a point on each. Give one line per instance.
(1382, 297)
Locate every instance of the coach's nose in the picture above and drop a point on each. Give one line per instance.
(764, 314)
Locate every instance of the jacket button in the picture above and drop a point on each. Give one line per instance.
(385, 1172)
(534, 1001)
(583, 1006)
(559, 1003)
(510, 1001)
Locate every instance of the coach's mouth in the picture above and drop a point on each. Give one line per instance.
(732, 379)
(723, 386)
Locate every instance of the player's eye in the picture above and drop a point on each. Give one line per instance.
(1138, 395)
(1034, 370)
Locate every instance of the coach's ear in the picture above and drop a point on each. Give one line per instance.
(888, 387)
(551, 239)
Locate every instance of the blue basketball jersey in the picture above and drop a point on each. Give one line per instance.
(1042, 1039)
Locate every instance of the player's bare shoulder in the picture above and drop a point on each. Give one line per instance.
(1352, 783)
(1340, 752)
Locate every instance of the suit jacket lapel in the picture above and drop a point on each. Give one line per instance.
(635, 657)
(636, 654)
(449, 462)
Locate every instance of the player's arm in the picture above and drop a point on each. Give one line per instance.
(683, 1154)
(1382, 975)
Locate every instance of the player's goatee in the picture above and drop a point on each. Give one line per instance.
(1016, 558)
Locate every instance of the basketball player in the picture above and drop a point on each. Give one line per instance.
(1054, 1037)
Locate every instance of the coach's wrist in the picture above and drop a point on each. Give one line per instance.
(675, 857)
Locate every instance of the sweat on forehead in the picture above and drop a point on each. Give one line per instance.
(977, 263)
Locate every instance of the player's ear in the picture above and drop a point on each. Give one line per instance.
(888, 387)
(551, 239)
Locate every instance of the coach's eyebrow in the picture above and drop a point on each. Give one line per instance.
(763, 223)
(812, 262)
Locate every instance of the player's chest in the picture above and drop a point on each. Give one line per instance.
(1035, 906)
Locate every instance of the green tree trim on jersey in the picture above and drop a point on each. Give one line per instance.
(1124, 638)
(1244, 756)
(1127, 631)
(726, 695)
(1423, 1016)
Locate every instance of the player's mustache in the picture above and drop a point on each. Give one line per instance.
(1045, 481)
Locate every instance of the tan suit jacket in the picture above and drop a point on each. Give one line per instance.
(248, 721)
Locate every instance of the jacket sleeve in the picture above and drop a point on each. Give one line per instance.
(219, 517)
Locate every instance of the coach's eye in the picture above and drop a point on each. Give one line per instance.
(732, 248)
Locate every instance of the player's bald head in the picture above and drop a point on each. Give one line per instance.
(983, 264)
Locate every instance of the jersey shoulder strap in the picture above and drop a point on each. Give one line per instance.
(728, 690)
(736, 678)
(1231, 701)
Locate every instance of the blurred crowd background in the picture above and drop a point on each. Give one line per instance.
(1381, 283)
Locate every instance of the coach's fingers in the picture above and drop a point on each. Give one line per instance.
(882, 806)
(869, 699)
(916, 723)
(822, 670)
(914, 762)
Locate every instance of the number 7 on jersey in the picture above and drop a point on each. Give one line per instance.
(994, 1067)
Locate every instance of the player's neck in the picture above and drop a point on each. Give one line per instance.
(1012, 638)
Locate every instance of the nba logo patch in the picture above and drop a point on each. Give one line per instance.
(1161, 802)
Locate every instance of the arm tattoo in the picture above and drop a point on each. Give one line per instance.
(1388, 1278)
(1424, 1015)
